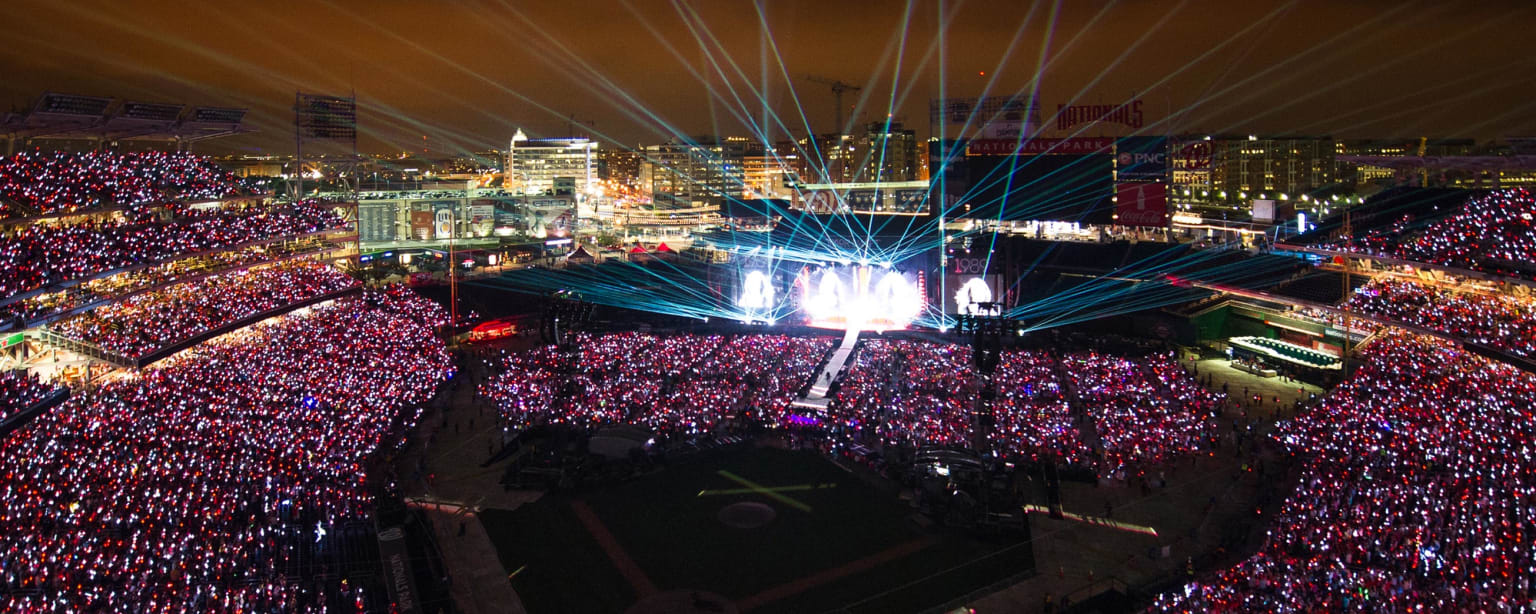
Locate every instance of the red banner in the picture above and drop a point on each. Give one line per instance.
(1141, 204)
(1010, 147)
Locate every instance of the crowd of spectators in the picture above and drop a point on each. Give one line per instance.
(678, 385)
(148, 322)
(53, 303)
(1145, 411)
(19, 389)
(1492, 233)
(209, 483)
(1418, 495)
(415, 194)
(1505, 322)
(749, 377)
(1034, 419)
(895, 392)
(40, 255)
(60, 182)
(908, 393)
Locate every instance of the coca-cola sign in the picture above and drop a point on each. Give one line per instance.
(1141, 204)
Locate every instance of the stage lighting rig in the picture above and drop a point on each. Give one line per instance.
(986, 327)
(564, 312)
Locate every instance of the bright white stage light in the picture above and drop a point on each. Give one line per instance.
(852, 297)
(972, 292)
(826, 303)
(756, 291)
(899, 301)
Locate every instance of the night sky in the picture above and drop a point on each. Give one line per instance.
(467, 74)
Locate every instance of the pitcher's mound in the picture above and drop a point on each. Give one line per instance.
(746, 515)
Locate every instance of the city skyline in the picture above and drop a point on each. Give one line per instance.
(459, 78)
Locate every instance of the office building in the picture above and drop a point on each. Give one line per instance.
(538, 166)
(698, 172)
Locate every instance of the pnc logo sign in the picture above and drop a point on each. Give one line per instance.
(1131, 159)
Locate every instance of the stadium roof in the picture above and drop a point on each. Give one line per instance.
(73, 116)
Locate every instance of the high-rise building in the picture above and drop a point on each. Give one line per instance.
(881, 153)
(829, 158)
(1285, 165)
(620, 166)
(1189, 157)
(533, 165)
(768, 172)
(889, 153)
(703, 171)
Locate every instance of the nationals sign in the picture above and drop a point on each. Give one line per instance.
(1127, 114)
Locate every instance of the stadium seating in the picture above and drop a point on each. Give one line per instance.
(19, 390)
(154, 320)
(900, 393)
(1418, 495)
(43, 183)
(1503, 322)
(1489, 233)
(40, 256)
(208, 484)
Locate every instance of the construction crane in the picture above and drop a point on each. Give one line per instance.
(1423, 170)
(838, 87)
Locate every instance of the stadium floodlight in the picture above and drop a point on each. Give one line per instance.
(72, 104)
(217, 115)
(151, 111)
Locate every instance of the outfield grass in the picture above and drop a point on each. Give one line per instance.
(673, 535)
(563, 569)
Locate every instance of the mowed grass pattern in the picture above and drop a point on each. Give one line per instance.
(673, 534)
